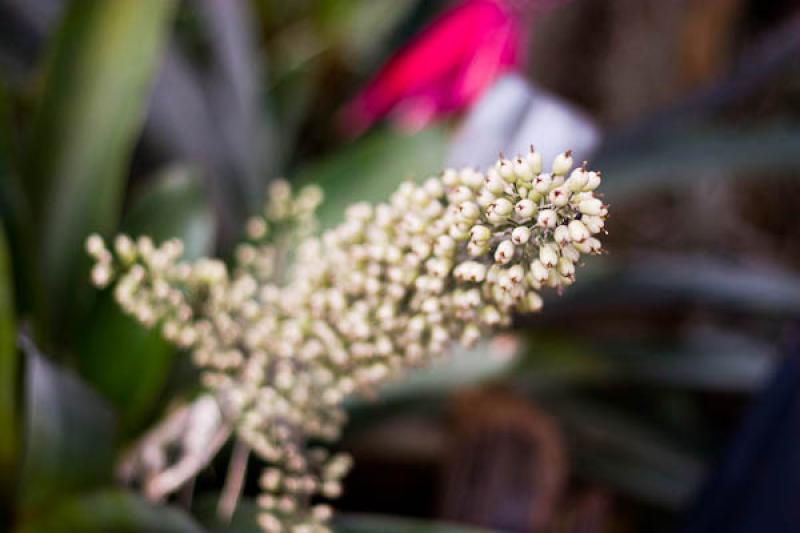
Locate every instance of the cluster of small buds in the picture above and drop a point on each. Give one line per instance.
(301, 322)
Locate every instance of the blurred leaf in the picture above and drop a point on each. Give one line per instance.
(211, 111)
(371, 168)
(363, 523)
(174, 205)
(720, 360)
(9, 374)
(85, 125)
(425, 388)
(679, 156)
(69, 436)
(362, 29)
(664, 279)
(128, 363)
(612, 448)
(110, 511)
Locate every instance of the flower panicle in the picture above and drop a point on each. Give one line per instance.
(392, 287)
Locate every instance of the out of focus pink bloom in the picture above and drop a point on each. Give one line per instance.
(443, 69)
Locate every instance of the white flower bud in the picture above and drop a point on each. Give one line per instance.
(520, 235)
(477, 248)
(506, 170)
(469, 211)
(516, 274)
(95, 246)
(559, 197)
(534, 160)
(566, 267)
(542, 182)
(561, 235)
(592, 207)
(522, 169)
(504, 252)
(533, 302)
(594, 224)
(494, 183)
(562, 163)
(539, 271)
(548, 255)
(578, 231)
(577, 180)
(547, 218)
(471, 335)
(501, 207)
(480, 233)
(571, 253)
(592, 182)
(525, 209)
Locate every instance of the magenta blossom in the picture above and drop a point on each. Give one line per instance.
(444, 69)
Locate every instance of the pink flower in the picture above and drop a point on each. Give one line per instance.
(442, 70)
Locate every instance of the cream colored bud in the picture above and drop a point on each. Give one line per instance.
(592, 182)
(566, 267)
(592, 207)
(562, 163)
(501, 207)
(524, 209)
(516, 274)
(522, 169)
(539, 271)
(559, 197)
(494, 183)
(577, 180)
(547, 218)
(504, 252)
(533, 302)
(571, 253)
(594, 224)
(95, 245)
(561, 235)
(534, 160)
(548, 255)
(469, 211)
(578, 231)
(542, 182)
(520, 235)
(506, 170)
(480, 233)
(471, 335)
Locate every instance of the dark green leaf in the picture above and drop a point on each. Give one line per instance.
(680, 156)
(110, 511)
(96, 84)
(126, 362)
(9, 374)
(69, 436)
(372, 167)
(362, 523)
(174, 205)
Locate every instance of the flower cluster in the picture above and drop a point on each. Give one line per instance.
(301, 321)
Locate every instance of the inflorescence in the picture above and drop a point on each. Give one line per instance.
(299, 322)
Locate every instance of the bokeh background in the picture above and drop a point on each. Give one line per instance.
(657, 394)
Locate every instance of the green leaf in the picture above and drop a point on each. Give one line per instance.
(615, 449)
(679, 156)
(97, 79)
(364, 523)
(372, 167)
(69, 437)
(174, 205)
(9, 374)
(126, 362)
(107, 511)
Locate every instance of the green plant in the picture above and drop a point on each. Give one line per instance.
(302, 322)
